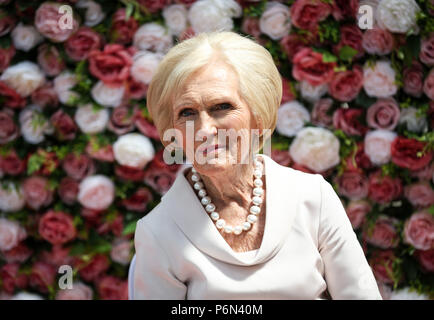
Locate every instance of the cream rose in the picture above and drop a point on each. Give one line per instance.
(24, 77)
(34, 126)
(91, 120)
(11, 197)
(316, 148)
(96, 192)
(291, 118)
(145, 64)
(25, 37)
(379, 81)
(312, 93)
(413, 121)
(397, 16)
(175, 18)
(79, 291)
(108, 96)
(11, 233)
(94, 14)
(377, 145)
(62, 85)
(153, 37)
(275, 21)
(134, 150)
(121, 251)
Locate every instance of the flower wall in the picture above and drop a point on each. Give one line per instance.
(81, 161)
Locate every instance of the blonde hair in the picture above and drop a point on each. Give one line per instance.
(260, 82)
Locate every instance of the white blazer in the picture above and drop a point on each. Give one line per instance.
(308, 246)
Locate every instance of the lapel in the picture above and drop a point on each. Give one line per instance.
(182, 204)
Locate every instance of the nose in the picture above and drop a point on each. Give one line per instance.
(206, 126)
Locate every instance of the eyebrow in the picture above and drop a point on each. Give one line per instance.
(211, 101)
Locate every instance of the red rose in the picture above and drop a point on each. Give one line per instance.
(309, 66)
(64, 125)
(287, 91)
(281, 157)
(426, 259)
(122, 30)
(321, 113)
(42, 276)
(68, 190)
(19, 253)
(112, 288)
(138, 201)
(6, 55)
(135, 89)
(349, 121)
(50, 60)
(345, 86)
(424, 173)
(352, 184)
(381, 264)
(7, 22)
(57, 256)
(426, 54)
(129, 173)
(81, 43)
(145, 126)
(37, 192)
(188, 3)
(11, 164)
(10, 97)
(116, 226)
(428, 86)
(306, 14)
(356, 211)
(420, 194)
(121, 120)
(112, 65)
(419, 230)
(11, 278)
(78, 166)
(104, 153)
(90, 270)
(250, 25)
(378, 41)
(383, 114)
(413, 80)
(8, 129)
(344, 9)
(57, 227)
(351, 36)
(153, 6)
(384, 189)
(405, 153)
(431, 114)
(383, 234)
(358, 159)
(291, 44)
(45, 96)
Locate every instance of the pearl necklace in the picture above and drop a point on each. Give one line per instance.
(255, 210)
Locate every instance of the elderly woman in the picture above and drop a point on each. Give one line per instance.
(229, 228)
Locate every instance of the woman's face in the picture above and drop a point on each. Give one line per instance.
(209, 100)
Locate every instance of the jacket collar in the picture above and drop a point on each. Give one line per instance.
(182, 204)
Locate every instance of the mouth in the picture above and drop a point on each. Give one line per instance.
(212, 149)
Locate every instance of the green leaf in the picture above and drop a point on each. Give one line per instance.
(129, 228)
(35, 163)
(347, 53)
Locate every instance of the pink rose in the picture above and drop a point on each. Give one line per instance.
(292, 43)
(11, 164)
(57, 256)
(344, 9)
(64, 125)
(81, 43)
(345, 86)
(57, 227)
(349, 121)
(7, 22)
(37, 192)
(282, 157)
(50, 60)
(154, 6)
(378, 41)
(308, 65)
(79, 291)
(19, 253)
(381, 264)
(420, 194)
(321, 113)
(129, 173)
(121, 251)
(78, 166)
(112, 288)
(426, 54)
(68, 190)
(45, 96)
(306, 14)
(104, 153)
(11, 233)
(250, 25)
(122, 30)
(426, 259)
(383, 234)
(145, 126)
(48, 22)
(135, 89)
(413, 79)
(8, 129)
(383, 114)
(419, 230)
(115, 227)
(352, 184)
(121, 120)
(424, 173)
(11, 278)
(288, 93)
(351, 36)
(112, 65)
(96, 192)
(42, 276)
(356, 212)
(138, 201)
(428, 86)
(6, 55)
(384, 189)
(90, 270)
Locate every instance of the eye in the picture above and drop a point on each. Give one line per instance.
(184, 112)
(224, 106)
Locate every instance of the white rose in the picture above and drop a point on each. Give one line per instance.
(208, 16)
(25, 37)
(413, 121)
(175, 18)
(315, 148)
(11, 197)
(34, 125)
(377, 145)
(275, 21)
(153, 37)
(312, 93)
(230, 7)
(371, 3)
(134, 150)
(145, 64)
(26, 296)
(291, 118)
(96, 192)
(406, 294)
(62, 85)
(120, 251)
(108, 96)
(79, 291)
(379, 81)
(398, 15)
(11, 233)
(94, 14)
(91, 120)
(24, 77)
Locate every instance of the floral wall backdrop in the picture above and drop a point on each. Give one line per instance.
(81, 161)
